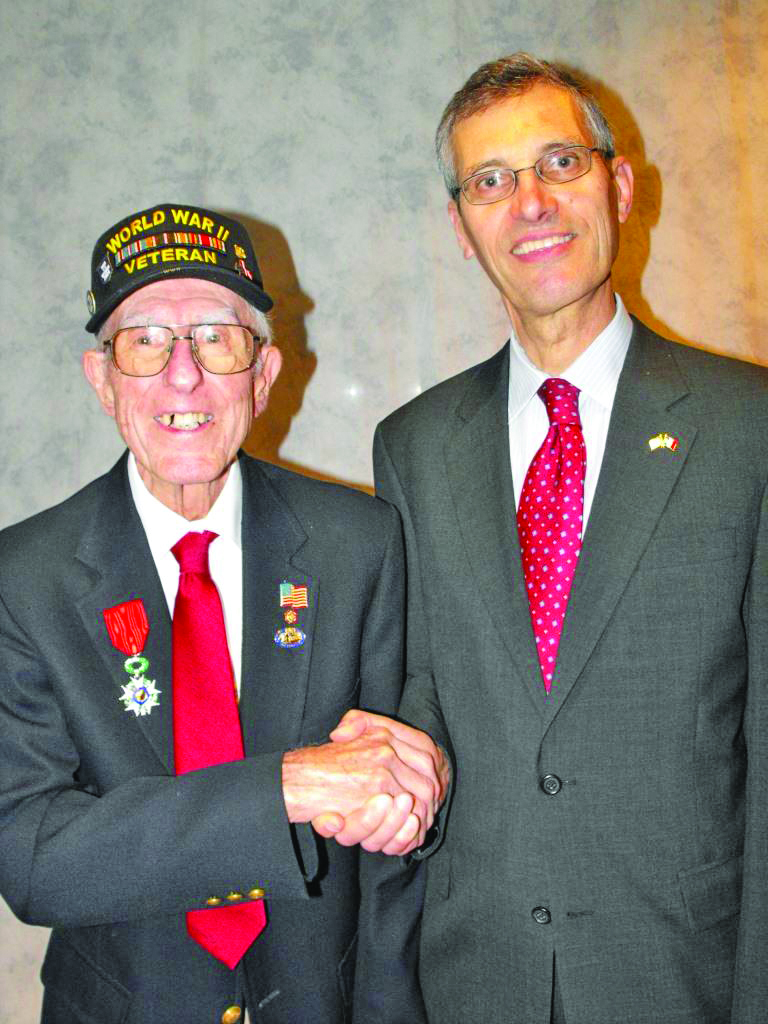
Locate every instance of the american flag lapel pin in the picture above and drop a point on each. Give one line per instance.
(663, 441)
(293, 597)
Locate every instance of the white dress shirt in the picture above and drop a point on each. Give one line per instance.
(595, 373)
(164, 528)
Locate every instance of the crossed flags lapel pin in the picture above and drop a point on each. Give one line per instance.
(663, 441)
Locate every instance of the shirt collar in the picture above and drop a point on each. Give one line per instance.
(164, 527)
(595, 373)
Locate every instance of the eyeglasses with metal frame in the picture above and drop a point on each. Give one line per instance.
(218, 348)
(493, 184)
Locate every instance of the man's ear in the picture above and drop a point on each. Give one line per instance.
(458, 226)
(271, 362)
(624, 180)
(96, 369)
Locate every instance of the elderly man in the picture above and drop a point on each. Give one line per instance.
(605, 851)
(174, 639)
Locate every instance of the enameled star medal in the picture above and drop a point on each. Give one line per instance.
(128, 628)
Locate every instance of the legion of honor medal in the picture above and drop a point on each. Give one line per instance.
(128, 627)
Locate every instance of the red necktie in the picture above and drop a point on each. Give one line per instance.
(206, 725)
(549, 519)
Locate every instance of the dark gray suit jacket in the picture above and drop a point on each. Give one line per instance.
(99, 840)
(641, 864)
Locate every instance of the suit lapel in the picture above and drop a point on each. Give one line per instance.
(114, 546)
(480, 478)
(632, 492)
(274, 678)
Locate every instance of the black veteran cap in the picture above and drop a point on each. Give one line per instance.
(171, 241)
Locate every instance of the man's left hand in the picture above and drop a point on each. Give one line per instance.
(386, 823)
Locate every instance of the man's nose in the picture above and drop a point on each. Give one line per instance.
(533, 200)
(182, 371)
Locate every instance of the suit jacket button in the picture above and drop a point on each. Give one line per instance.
(233, 897)
(231, 1015)
(541, 915)
(212, 901)
(256, 894)
(551, 784)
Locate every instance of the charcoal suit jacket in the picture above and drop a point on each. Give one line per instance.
(99, 839)
(619, 828)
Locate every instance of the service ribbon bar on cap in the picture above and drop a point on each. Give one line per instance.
(168, 238)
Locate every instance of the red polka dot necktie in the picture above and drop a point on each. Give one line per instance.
(549, 519)
(206, 724)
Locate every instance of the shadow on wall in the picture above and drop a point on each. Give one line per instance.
(292, 305)
(635, 248)
(636, 233)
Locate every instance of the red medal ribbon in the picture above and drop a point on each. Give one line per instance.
(128, 626)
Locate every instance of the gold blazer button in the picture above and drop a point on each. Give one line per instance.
(212, 901)
(256, 894)
(233, 897)
(231, 1015)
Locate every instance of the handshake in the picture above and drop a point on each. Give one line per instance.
(378, 783)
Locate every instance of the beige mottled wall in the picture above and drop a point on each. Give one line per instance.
(313, 122)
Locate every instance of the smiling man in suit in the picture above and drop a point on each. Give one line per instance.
(587, 548)
(176, 642)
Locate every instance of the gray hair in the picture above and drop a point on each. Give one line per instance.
(510, 76)
(261, 324)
